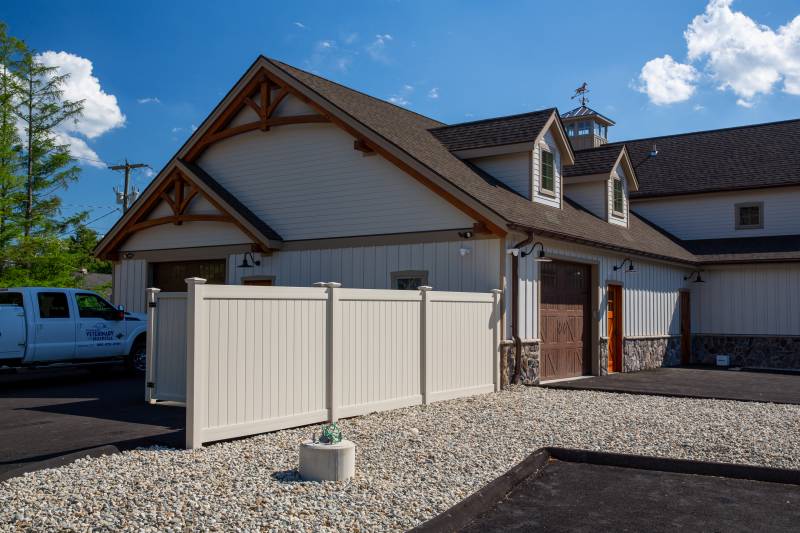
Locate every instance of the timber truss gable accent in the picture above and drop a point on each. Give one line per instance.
(178, 190)
(257, 95)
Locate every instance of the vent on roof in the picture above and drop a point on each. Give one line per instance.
(654, 151)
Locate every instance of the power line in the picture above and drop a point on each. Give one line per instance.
(127, 167)
(92, 221)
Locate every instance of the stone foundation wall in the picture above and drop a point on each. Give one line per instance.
(602, 346)
(530, 362)
(747, 351)
(646, 353)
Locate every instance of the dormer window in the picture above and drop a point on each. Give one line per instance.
(570, 130)
(750, 215)
(584, 128)
(548, 182)
(619, 197)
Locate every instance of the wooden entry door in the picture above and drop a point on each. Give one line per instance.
(686, 328)
(614, 317)
(564, 320)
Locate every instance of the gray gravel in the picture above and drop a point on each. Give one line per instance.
(411, 463)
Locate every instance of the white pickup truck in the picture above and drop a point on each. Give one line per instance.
(43, 325)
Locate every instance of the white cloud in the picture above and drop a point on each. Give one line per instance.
(351, 38)
(327, 44)
(665, 81)
(433, 93)
(399, 100)
(377, 48)
(747, 104)
(698, 107)
(149, 100)
(299, 25)
(743, 56)
(177, 129)
(101, 113)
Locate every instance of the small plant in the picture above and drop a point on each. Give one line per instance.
(331, 434)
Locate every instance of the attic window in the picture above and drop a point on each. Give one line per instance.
(548, 172)
(750, 215)
(584, 128)
(619, 197)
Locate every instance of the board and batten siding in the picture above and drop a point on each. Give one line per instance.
(651, 305)
(370, 267)
(307, 182)
(747, 300)
(129, 284)
(713, 216)
(512, 169)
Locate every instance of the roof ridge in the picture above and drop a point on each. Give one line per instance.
(700, 132)
(501, 117)
(281, 64)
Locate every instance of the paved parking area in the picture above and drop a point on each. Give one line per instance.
(48, 413)
(694, 382)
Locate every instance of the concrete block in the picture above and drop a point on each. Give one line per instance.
(327, 462)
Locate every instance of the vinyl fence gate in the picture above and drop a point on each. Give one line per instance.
(249, 360)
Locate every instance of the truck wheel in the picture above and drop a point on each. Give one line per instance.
(137, 359)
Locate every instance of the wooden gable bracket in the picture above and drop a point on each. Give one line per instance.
(362, 146)
(178, 192)
(257, 95)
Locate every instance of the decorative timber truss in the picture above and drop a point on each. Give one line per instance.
(178, 192)
(263, 94)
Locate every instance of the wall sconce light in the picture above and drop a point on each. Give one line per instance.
(464, 251)
(245, 264)
(540, 257)
(696, 276)
(630, 270)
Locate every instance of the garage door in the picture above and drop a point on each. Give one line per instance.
(564, 320)
(170, 276)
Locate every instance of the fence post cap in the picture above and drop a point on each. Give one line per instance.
(194, 281)
(497, 291)
(425, 288)
(320, 284)
(333, 284)
(151, 290)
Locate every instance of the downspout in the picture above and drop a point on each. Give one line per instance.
(515, 308)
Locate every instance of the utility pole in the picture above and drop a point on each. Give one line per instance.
(127, 168)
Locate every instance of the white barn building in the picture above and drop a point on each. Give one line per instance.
(294, 179)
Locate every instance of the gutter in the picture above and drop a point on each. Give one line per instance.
(515, 308)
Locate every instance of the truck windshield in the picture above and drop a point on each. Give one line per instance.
(11, 299)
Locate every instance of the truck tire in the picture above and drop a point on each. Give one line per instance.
(137, 359)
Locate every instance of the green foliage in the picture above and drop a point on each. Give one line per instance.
(38, 246)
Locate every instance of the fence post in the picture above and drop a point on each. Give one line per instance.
(150, 374)
(334, 357)
(497, 312)
(426, 343)
(196, 353)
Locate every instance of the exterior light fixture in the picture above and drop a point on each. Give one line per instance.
(464, 251)
(630, 270)
(245, 264)
(696, 276)
(541, 257)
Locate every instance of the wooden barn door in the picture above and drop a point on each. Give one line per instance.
(564, 320)
(614, 317)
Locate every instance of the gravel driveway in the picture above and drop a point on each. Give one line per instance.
(411, 463)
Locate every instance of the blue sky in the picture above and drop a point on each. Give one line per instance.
(164, 65)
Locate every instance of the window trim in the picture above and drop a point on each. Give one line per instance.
(39, 306)
(542, 188)
(737, 218)
(614, 211)
(400, 274)
(93, 295)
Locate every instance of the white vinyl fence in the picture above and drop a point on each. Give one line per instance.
(260, 359)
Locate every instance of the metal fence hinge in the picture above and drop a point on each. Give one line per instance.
(151, 385)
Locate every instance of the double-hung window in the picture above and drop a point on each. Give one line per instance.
(548, 181)
(750, 215)
(619, 197)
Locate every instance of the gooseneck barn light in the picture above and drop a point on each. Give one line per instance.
(630, 270)
(245, 264)
(696, 276)
(541, 257)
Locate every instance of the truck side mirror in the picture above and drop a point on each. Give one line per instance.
(121, 307)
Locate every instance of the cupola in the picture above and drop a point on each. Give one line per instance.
(586, 128)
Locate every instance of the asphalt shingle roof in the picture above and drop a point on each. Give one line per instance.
(489, 132)
(748, 157)
(598, 160)
(411, 133)
(776, 248)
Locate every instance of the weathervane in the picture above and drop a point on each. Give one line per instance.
(581, 91)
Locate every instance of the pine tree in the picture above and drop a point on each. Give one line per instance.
(11, 162)
(49, 165)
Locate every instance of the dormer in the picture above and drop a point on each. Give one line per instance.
(586, 128)
(601, 181)
(526, 152)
